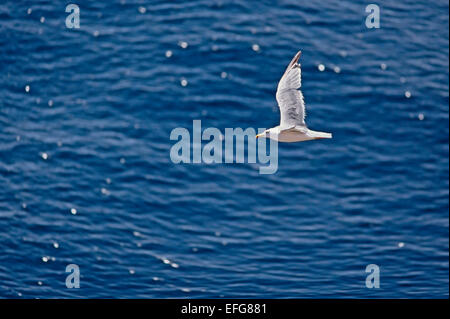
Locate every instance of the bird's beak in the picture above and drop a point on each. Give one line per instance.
(259, 135)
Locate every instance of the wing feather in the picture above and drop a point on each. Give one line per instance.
(290, 99)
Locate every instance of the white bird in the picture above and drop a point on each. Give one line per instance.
(292, 126)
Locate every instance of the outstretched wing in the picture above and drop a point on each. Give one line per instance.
(289, 98)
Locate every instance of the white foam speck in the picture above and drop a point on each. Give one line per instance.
(45, 259)
(407, 94)
(223, 75)
(184, 82)
(166, 261)
(337, 69)
(50, 103)
(44, 156)
(73, 211)
(39, 283)
(96, 33)
(401, 244)
(108, 180)
(174, 265)
(104, 191)
(421, 116)
(132, 271)
(55, 245)
(383, 66)
(27, 88)
(183, 44)
(321, 67)
(255, 47)
(42, 19)
(29, 10)
(168, 54)
(142, 10)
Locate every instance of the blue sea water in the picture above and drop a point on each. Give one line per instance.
(85, 170)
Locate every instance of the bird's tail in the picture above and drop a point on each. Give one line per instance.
(319, 135)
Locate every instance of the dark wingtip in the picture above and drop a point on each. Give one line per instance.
(297, 56)
(294, 61)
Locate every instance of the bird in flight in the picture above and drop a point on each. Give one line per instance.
(292, 126)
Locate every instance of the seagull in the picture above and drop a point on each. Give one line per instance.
(292, 126)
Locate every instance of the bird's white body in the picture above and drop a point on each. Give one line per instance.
(295, 134)
(292, 126)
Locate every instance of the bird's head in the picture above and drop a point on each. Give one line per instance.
(265, 134)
